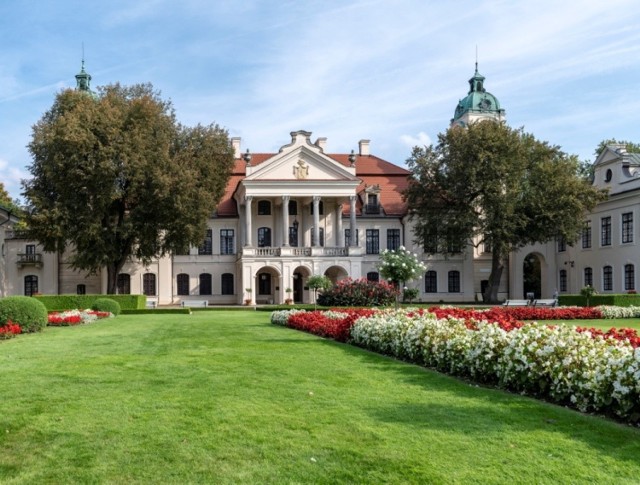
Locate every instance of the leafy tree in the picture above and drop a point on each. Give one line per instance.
(318, 282)
(116, 176)
(491, 183)
(5, 198)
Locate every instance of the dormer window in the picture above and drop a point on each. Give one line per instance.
(372, 205)
(608, 176)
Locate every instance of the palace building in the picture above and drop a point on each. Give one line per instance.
(304, 211)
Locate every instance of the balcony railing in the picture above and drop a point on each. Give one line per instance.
(29, 260)
(298, 251)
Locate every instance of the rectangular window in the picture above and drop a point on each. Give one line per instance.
(607, 278)
(149, 284)
(393, 239)
(586, 235)
(264, 237)
(227, 243)
(627, 227)
(454, 281)
(431, 242)
(562, 244)
(453, 245)
(629, 277)
(563, 280)
(207, 245)
(605, 231)
(226, 281)
(431, 282)
(373, 241)
(588, 277)
(347, 237)
(293, 236)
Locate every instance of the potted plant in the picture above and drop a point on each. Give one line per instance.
(247, 300)
(288, 300)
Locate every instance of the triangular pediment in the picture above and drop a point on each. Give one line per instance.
(301, 161)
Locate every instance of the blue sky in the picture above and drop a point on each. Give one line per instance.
(388, 71)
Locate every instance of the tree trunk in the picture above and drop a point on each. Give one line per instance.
(113, 270)
(497, 267)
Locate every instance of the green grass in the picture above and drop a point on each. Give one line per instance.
(604, 324)
(225, 397)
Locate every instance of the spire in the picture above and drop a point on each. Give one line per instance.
(83, 78)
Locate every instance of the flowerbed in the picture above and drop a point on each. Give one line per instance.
(9, 330)
(593, 371)
(590, 369)
(76, 317)
(335, 324)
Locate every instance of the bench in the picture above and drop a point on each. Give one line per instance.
(517, 303)
(151, 304)
(552, 302)
(194, 303)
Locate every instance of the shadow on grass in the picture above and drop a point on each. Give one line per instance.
(485, 412)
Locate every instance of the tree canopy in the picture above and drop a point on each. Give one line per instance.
(495, 185)
(116, 176)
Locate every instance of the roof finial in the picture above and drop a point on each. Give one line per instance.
(476, 58)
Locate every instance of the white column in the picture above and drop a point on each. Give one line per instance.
(353, 229)
(285, 220)
(316, 220)
(338, 226)
(247, 210)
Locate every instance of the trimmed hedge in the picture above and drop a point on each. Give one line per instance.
(622, 299)
(26, 311)
(106, 305)
(81, 302)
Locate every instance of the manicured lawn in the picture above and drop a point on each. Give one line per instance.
(604, 324)
(224, 397)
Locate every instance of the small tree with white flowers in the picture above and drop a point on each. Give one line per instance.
(400, 266)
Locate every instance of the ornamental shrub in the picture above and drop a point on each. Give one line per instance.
(25, 311)
(106, 305)
(360, 292)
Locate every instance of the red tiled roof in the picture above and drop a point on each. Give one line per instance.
(372, 170)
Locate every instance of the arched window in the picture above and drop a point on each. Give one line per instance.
(563, 280)
(124, 284)
(431, 282)
(607, 278)
(264, 208)
(81, 289)
(264, 237)
(454, 281)
(226, 281)
(182, 281)
(373, 276)
(629, 277)
(588, 277)
(149, 284)
(30, 285)
(205, 284)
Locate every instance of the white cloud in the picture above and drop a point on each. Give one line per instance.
(421, 140)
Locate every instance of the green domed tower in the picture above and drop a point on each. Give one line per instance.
(478, 104)
(83, 80)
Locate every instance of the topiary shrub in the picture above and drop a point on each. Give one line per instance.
(106, 305)
(26, 311)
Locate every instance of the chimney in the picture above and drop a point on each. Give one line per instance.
(321, 143)
(364, 147)
(235, 143)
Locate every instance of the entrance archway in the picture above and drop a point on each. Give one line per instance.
(266, 284)
(336, 273)
(300, 276)
(532, 276)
